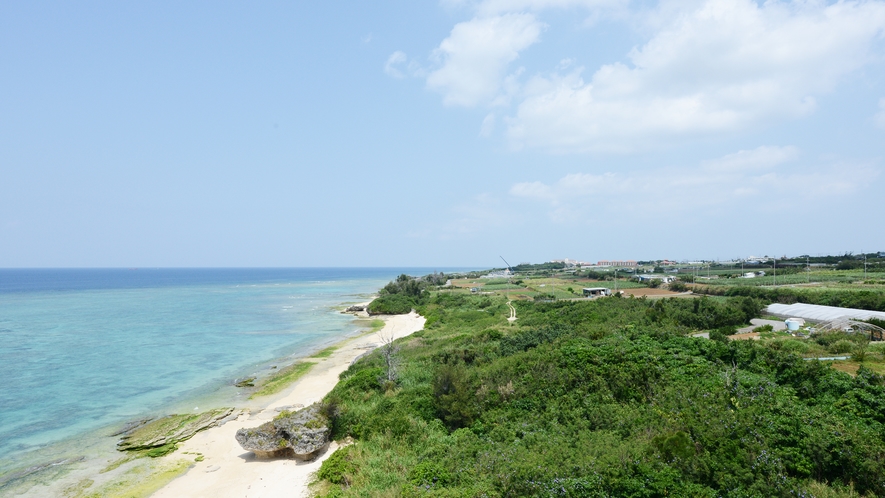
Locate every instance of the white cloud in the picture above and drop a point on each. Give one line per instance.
(568, 187)
(879, 118)
(708, 67)
(474, 58)
(758, 158)
(488, 125)
(478, 215)
(755, 176)
(494, 7)
(391, 67)
(724, 66)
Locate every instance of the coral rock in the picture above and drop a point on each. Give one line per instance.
(302, 434)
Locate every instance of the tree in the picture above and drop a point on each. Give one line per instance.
(389, 352)
(678, 287)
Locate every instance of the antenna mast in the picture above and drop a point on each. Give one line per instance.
(506, 263)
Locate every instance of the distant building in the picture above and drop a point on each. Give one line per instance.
(665, 279)
(571, 262)
(498, 274)
(628, 264)
(597, 291)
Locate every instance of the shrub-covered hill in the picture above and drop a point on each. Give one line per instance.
(404, 294)
(601, 398)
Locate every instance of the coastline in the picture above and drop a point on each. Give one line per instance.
(226, 469)
(90, 465)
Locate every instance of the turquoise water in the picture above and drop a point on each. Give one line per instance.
(85, 349)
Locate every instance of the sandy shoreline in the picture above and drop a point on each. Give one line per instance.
(228, 470)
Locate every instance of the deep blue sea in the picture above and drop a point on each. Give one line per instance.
(82, 349)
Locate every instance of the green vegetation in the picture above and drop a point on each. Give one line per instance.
(160, 451)
(247, 382)
(862, 299)
(326, 352)
(282, 378)
(678, 286)
(337, 469)
(404, 294)
(139, 482)
(117, 463)
(608, 397)
(392, 304)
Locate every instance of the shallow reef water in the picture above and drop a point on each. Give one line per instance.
(85, 350)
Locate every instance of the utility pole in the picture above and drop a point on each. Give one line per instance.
(775, 271)
(807, 271)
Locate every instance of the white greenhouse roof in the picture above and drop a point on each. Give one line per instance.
(821, 313)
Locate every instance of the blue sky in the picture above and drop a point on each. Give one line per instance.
(438, 134)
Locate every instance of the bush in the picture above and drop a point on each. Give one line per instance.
(841, 346)
(859, 351)
(720, 335)
(337, 469)
(795, 346)
(678, 286)
(391, 304)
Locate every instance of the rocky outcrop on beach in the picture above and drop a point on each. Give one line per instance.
(302, 434)
(168, 430)
(355, 309)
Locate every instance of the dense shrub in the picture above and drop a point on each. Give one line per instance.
(337, 469)
(677, 286)
(861, 299)
(391, 304)
(606, 398)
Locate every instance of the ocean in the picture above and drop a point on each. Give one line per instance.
(83, 350)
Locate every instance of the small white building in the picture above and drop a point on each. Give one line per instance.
(665, 279)
(597, 291)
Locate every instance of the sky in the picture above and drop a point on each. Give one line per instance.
(404, 133)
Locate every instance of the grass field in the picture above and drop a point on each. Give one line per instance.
(530, 288)
(826, 277)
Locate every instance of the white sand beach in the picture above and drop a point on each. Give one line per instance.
(229, 471)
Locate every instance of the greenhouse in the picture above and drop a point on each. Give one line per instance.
(820, 313)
